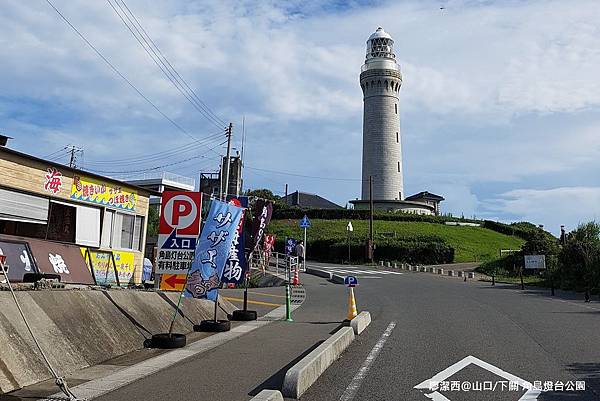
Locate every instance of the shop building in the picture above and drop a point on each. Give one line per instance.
(83, 226)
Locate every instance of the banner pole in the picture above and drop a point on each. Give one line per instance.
(178, 304)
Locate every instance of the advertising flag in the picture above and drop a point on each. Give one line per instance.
(263, 210)
(213, 249)
(235, 268)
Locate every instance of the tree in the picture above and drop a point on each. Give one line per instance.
(580, 257)
(153, 221)
(263, 193)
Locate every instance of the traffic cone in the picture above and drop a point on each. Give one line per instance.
(352, 313)
(296, 279)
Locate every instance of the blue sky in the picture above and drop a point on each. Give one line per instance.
(500, 104)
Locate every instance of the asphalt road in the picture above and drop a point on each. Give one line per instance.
(441, 320)
(431, 323)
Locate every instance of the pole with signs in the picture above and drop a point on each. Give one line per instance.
(179, 227)
(304, 223)
(349, 229)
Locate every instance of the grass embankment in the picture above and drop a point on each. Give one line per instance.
(471, 244)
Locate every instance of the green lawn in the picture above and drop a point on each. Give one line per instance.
(471, 244)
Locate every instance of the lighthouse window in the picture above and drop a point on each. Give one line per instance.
(397, 138)
(398, 166)
(396, 107)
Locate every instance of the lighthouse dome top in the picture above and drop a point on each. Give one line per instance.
(380, 45)
(380, 33)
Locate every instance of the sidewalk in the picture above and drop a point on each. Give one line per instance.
(250, 363)
(255, 356)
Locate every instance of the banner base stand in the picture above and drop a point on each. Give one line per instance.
(213, 326)
(166, 341)
(244, 315)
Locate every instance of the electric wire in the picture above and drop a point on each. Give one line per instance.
(159, 155)
(161, 166)
(116, 71)
(306, 176)
(149, 49)
(173, 68)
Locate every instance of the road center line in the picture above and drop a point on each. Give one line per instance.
(354, 385)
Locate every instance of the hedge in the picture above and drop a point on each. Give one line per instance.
(415, 251)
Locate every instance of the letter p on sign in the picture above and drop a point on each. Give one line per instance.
(180, 211)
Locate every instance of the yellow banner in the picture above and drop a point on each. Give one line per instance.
(103, 267)
(103, 193)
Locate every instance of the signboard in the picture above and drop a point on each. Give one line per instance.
(350, 281)
(290, 246)
(535, 261)
(213, 250)
(178, 231)
(65, 260)
(103, 193)
(104, 269)
(52, 180)
(172, 282)
(236, 267)
(18, 260)
(349, 227)
(305, 222)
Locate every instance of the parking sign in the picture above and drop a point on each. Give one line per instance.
(178, 231)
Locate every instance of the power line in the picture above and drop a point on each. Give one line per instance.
(159, 155)
(179, 127)
(53, 153)
(162, 166)
(174, 70)
(305, 176)
(167, 69)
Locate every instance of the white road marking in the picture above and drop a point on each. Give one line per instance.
(354, 385)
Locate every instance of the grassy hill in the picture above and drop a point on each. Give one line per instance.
(471, 244)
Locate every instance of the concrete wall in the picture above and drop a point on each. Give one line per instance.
(77, 329)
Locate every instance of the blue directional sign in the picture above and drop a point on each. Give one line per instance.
(305, 222)
(350, 281)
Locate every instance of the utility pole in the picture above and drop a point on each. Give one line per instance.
(229, 131)
(287, 202)
(73, 160)
(371, 219)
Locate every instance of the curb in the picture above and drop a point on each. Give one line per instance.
(360, 322)
(317, 272)
(268, 395)
(303, 374)
(337, 279)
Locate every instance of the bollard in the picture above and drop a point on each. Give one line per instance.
(451, 273)
(395, 265)
(388, 264)
(461, 273)
(381, 263)
(440, 271)
(471, 275)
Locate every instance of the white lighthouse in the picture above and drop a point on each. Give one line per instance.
(380, 81)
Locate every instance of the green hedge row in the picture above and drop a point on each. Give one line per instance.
(295, 213)
(425, 250)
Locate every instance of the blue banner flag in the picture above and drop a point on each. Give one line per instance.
(235, 267)
(212, 250)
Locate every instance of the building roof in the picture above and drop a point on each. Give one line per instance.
(75, 170)
(425, 195)
(310, 201)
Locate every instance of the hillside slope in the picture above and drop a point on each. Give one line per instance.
(471, 244)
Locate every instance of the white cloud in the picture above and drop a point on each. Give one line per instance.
(570, 206)
(492, 93)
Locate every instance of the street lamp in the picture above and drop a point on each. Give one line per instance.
(349, 229)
